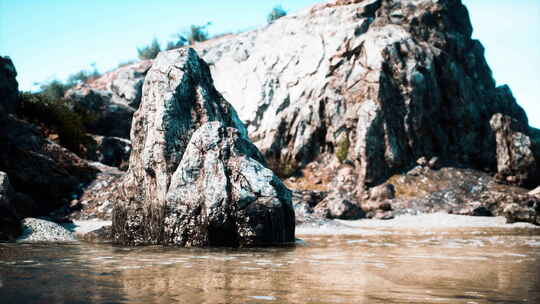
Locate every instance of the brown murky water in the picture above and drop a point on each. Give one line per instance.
(475, 265)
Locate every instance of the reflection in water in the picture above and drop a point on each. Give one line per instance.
(453, 266)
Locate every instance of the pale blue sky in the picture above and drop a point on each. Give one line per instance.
(50, 39)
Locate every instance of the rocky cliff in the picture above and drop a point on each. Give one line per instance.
(346, 95)
(378, 83)
(373, 83)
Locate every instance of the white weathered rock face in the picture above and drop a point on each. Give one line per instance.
(515, 158)
(156, 201)
(390, 81)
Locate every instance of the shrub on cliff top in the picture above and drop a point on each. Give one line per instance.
(198, 33)
(149, 51)
(54, 89)
(180, 41)
(55, 116)
(276, 13)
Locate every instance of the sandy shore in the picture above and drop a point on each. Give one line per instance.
(435, 221)
(44, 231)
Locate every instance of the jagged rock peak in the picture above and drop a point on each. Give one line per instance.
(377, 84)
(178, 98)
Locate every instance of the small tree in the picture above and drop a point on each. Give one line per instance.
(198, 33)
(54, 89)
(180, 42)
(276, 13)
(149, 51)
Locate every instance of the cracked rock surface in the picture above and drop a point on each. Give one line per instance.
(379, 83)
(156, 201)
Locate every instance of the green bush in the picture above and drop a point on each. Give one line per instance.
(180, 42)
(54, 89)
(276, 13)
(82, 76)
(343, 149)
(149, 51)
(125, 63)
(55, 116)
(198, 33)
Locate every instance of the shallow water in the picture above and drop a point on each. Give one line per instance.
(467, 265)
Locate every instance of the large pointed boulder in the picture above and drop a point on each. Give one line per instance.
(153, 207)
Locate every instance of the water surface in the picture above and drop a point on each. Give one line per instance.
(458, 265)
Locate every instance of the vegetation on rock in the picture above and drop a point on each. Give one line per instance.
(149, 51)
(343, 149)
(276, 13)
(56, 116)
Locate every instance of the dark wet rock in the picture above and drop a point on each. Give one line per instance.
(110, 151)
(9, 88)
(338, 206)
(10, 224)
(515, 158)
(304, 201)
(111, 118)
(43, 174)
(165, 197)
(460, 191)
(308, 197)
(516, 207)
(101, 235)
(382, 192)
(46, 172)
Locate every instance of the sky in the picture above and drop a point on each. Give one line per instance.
(51, 39)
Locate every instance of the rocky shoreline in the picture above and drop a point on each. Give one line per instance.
(372, 109)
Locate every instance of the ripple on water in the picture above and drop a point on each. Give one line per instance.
(265, 298)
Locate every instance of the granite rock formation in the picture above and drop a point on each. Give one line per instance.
(378, 83)
(156, 201)
(348, 99)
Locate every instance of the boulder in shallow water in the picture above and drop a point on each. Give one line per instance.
(165, 197)
(222, 194)
(38, 230)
